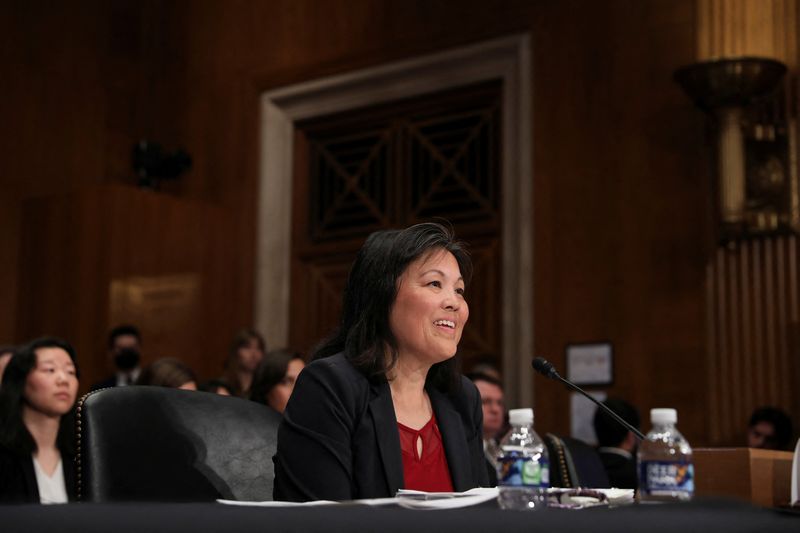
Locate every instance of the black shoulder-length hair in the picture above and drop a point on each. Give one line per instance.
(270, 372)
(241, 340)
(364, 334)
(13, 433)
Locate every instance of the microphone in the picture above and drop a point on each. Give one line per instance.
(546, 368)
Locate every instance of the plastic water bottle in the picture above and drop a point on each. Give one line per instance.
(666, 472)
(523, 469)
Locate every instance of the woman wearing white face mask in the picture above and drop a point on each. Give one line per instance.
(38, 393)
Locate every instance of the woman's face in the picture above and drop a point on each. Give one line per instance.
(52, 385)
(429, 313)
(279, 394)
(189, 385)
(250, 355)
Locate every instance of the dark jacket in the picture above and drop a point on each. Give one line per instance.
(110, 381)
(18, 479)
(621, 470)
(339, 438)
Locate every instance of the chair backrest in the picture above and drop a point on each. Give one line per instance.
(573, 464)
(141, 443)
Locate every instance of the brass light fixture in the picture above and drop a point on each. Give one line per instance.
(756, 189)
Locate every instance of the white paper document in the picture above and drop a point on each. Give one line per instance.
(412, 499)
(415, 499)
(584, 497)
(277, 503)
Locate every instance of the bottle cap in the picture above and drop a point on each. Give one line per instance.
(663, 416)
(520, 417)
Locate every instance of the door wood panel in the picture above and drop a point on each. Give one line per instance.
(435, 157)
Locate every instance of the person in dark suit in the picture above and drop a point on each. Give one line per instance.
(381, 407)
(124, 350)
(37, 398)
(494, 418)
(617, 445)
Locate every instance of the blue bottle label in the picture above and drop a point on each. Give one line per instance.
(518, 470)
(666, 477)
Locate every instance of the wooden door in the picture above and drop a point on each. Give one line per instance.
(390, 166)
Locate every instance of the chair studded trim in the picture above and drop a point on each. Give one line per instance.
(561, 458)
(78, 449)
(558, 446)
(78, 444)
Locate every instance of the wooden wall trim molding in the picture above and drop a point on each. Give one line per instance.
(508, 59)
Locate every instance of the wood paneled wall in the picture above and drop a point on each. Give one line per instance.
(109, 255)
(622, 198)
(752, 286)
(753, 332)
(622, 179)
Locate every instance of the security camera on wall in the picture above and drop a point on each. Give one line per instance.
(153, 165)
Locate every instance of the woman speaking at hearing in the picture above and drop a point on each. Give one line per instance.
(382, 406)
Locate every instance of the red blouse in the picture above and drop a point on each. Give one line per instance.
(429, 472)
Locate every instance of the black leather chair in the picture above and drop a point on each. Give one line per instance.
(158, 444)
(574, 464)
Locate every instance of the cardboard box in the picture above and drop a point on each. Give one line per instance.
(762, 477)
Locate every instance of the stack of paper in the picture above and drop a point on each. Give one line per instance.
(415, 499)
(412, 499)
(582, 498)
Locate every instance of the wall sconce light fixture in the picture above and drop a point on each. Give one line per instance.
(745, 96)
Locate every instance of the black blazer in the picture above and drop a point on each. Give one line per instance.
(339, 438)
(621, 470)
(18, 479)
(108, 382)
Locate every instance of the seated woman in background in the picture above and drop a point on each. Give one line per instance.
(39, 387)
(217, 386)
(168, 372)
(245, 355)
(382, 406)
(275, 377)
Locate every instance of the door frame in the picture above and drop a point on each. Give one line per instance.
(508, 59)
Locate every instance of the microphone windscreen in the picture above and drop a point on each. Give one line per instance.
(544, 367)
